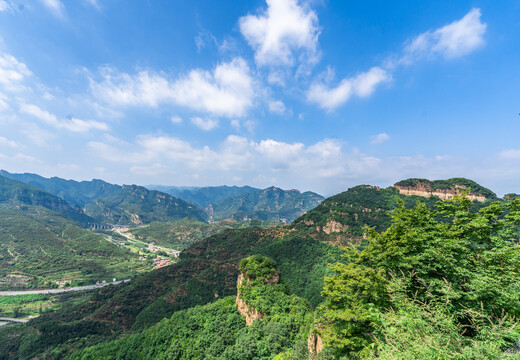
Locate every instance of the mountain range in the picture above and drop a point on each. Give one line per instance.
(207, 271)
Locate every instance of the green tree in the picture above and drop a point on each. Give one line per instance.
(469, 260)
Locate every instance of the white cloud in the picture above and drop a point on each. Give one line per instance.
(227, 91)
(94, 3)
(511, 154)
(453, 40)
(4, 102)
(277, 107)
(37, 135)
(12, 73)
(6, 142)
(379, 138)
(204, 39)
(176, 119)
(362, 85)
(282, 32)
(4, 6)
(55, 6)
(72, 124)
(204, 124)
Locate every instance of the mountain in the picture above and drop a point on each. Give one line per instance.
(204, 196)
(39, 248)
(74, 192)
(113, 204)
(207, 271)
(15, 195)
(247, 203)
(271, 204)
(340, 219)
(136, 205)
(445, 189)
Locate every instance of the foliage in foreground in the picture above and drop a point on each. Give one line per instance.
(218, 331)
(467, 261)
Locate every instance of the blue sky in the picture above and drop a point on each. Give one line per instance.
(315, 95)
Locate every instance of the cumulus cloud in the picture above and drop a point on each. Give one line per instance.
(226, 91)
(281, 33)
(277, 107)
(453, 40)
(55, 6)
(379, 138)
(362, 85)
(12, 73)
(6, 142)
(176, 119)
(204, 124)
(72, 124)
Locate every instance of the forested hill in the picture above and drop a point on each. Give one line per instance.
(109, 203)
(204, 196)
(136, 205)
(340, 219)
(247, 203)
(15, 194)
(74, 192)
(271, 204)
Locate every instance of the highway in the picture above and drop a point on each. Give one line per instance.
(59, 291)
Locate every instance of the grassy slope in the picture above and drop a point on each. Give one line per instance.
(182, 234)
(42, 245)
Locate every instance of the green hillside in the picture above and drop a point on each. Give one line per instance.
(340, 219)
(185, 232)
(104, 202)
(39, 248)
(78, 193)
(137, 205)
(15, 195)
(218, 330)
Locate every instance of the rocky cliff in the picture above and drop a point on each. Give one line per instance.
(444, 189)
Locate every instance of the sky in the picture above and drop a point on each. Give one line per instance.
(316, 95)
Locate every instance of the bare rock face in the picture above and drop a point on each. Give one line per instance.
(444, 194)
(315, 344)
(251, 314)
(333, 226)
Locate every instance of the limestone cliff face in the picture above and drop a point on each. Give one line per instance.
(250, 313)
(333, 226)
(315, 344)
(425, 190)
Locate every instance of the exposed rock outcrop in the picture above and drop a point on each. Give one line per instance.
(424, 190)
(250, 314)
(315, 344)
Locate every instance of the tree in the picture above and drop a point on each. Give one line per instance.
(468, 260)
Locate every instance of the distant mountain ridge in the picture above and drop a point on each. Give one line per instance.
(74, 192)
(204, 196)
(136, 205)
(112, 204)
(246, 202)
(15, 195)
